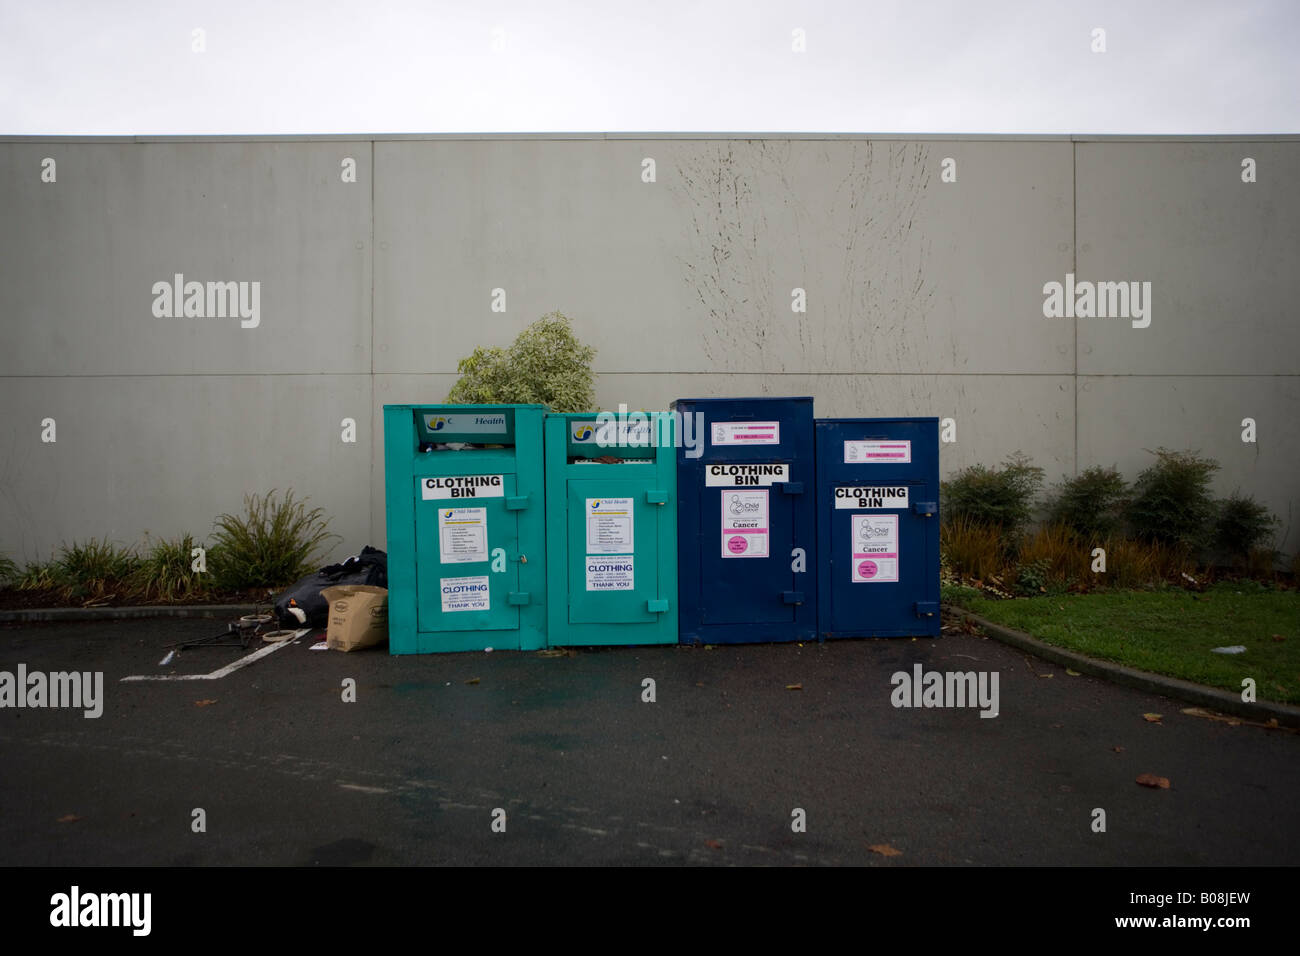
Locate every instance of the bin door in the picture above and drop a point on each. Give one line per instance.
(746, 535)
(613, 555)
(881, 566)
(458, 541)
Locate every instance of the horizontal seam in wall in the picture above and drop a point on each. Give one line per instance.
(713, 373)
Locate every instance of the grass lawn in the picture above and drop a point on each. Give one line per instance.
(1171, 632)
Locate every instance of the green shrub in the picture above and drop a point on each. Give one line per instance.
(996, 497)
(9, 571)
(272, 544)
(1242, 526)
(958, 594)
(96, 569)
(1171, 501)
(1092, 502)
(1032, 576)
(166, 572)
(545, 364)
(41, 576)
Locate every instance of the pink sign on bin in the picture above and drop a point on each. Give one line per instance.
(879, 452)
(744, 523)
(875, 548)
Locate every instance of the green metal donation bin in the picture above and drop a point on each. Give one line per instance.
(466, 527)
(611, 522)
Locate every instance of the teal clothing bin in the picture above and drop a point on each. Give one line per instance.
(611, 529)
(464, 490)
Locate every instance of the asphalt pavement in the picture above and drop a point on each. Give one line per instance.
(523, 758)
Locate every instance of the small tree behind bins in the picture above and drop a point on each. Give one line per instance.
(545, 364)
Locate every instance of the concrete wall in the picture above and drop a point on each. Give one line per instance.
(923, 297)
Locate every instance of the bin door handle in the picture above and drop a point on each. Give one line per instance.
(657, 497)
(926, 608)
(790, 487)
(656, 605)
(791, 597)
(927, 509)
(516, 502)
(518, 597)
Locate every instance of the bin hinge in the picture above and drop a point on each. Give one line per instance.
(656, 605)
(926, 608)
(790, 487)
(927, 509)
(791, 597)
(516, 502)
(657, 497)
(518, 597)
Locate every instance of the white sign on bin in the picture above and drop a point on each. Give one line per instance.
(609, 526)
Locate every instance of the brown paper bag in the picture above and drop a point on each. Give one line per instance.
(358, 616)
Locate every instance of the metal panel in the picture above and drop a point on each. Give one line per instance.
(611, 532)
(447, 532)
(878, 527)
(466, 527)
(747, 510)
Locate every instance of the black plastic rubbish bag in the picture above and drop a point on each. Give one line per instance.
(301, 604)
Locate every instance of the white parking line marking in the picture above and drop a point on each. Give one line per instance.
(229, 668)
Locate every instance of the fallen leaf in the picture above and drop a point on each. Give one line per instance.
(699, 683)
(1046, 675)
(1211, 715)
(794, 686)
(884, 849)
(68, 818)
(1117, 749)
(1072, 673)
(713, 844)
(1278, 637)
(1270, 724)
(207, 701)
(1151, 780)
(472, 680)
(1152, 718)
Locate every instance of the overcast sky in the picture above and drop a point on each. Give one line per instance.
(1000, 66)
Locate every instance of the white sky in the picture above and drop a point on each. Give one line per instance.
(1000, 66)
